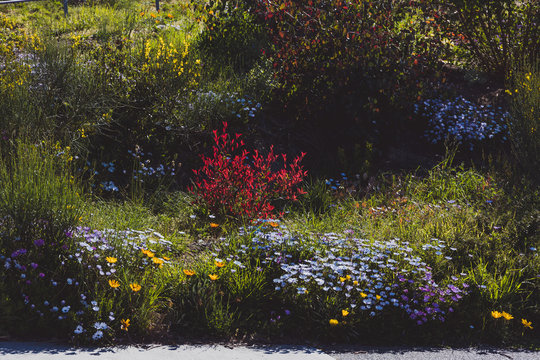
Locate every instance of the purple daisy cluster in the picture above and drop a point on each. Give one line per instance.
(367, 277)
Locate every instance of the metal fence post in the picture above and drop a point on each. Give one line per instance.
(65, 8)
(157, 5)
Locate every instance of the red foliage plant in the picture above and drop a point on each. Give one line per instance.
(230, 183)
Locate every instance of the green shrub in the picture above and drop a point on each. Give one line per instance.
(40, 202)
(524, 122)
(231, 36)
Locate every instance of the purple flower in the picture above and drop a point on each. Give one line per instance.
(41, 275)
(287, 312)
(39, 242)
(34, 265)
(18, 253)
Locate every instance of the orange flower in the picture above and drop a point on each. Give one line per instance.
(111, 259)
(125, 324)
(214, 225)
(135, 287)
(506, 315)
(166, 258)
(153, 15)
(113, 283)
(169, 15)
(527, 324)
(496, 314)
(157, 261)
(213, 277)
(273, 224)
(189, 272)
(220, 264)
(147, 253)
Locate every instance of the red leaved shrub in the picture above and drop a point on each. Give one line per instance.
(233, 182)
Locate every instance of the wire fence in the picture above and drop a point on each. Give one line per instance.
(65, 4)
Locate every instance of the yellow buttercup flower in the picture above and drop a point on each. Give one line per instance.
(114, 284)
(527, 324)
(378, 297)
(111, 259)
(355, 282)
(189, 272)
(506, 315)
(333, 322)
(496, 314)
(363, 294)
(135, 287)
(342, 279)
(344, 313)
(213, 277)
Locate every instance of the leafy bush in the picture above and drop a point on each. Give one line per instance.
(497, 33)
(230, 184)
(321, 50)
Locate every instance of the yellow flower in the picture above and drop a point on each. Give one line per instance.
(363, 294)
(125, 324)
(213, 277)
(348, 277)
(166, 258)
(527, 324)
(157, 261)
(333, 322)
(214, 225)
(344, 313)
(153, 15)
(506, 315)
(220, 264)
(114, 284)
(496, 314)
(189, 272)
(378, 297)
(355, 282)
(342, 279)
(135, 287)
(169, 15)
(111, 259)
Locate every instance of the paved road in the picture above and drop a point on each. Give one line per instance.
(434, 354)
(50, 351)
